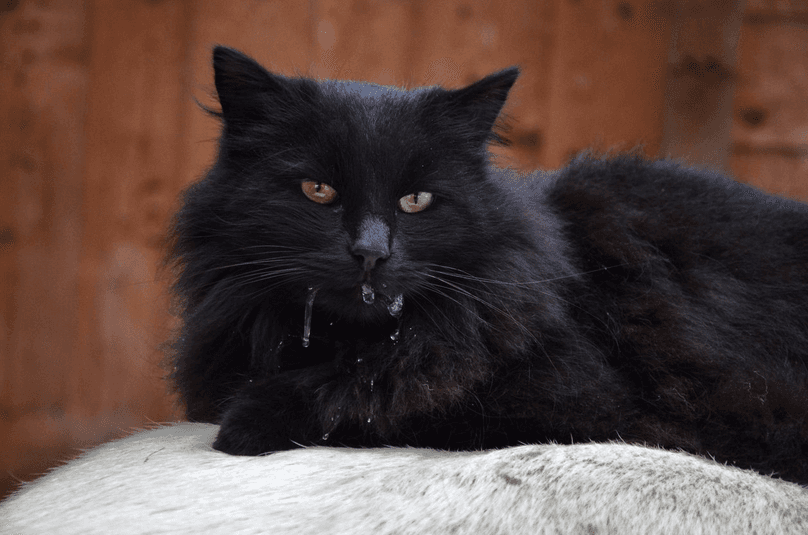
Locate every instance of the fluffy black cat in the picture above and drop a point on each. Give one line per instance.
(351, 271)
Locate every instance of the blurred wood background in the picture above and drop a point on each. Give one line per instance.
(100, 132)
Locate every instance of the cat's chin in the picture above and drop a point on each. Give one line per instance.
(332, 318)
(365, 306)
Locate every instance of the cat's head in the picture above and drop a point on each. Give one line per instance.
(352, 189)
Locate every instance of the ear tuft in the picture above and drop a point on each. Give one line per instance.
(239, 79)
(478, 105)
(493, 89)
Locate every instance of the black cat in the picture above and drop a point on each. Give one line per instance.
(352, 272)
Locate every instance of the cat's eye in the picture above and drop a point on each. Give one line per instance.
(318, 192)
(415, 202)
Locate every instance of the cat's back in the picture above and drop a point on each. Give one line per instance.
(631, 181)
(627, 209)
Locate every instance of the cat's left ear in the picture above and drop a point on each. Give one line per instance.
(478, 105)
(246, 90)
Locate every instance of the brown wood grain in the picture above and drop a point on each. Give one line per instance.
(701, 82)
(134, 130)
(770, 128)
(795, 11)
(770, 107)
(608, 77)
(774, 172)
(363, 40)
(42, 96)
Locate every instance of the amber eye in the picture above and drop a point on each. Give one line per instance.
(318, 192)
(415, 202)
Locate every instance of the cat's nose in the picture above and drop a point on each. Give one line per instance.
(373, 242)
(369, 257)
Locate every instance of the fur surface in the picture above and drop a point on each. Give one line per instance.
(617, 298)
(171, 481)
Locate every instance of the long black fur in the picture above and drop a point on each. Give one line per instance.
(617, 298)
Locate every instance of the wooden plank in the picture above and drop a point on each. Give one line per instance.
(770, 102)
(42, 97)
(773, 172)
(362, 40)
(701, 82)
(43, 108)
(759, 11)
(770, 130)
(135, 126)
(608, 79)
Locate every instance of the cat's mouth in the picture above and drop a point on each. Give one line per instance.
(393, 304)
(371, 297)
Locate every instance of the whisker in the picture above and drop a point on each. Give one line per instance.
(278, 247)
(428, 312)
(260, 262)
(468, 276)
(470, 295)
(267, 289)
(462, 275)
(439, 290)
(246, 279)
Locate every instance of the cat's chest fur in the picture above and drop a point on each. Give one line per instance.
(352, 271)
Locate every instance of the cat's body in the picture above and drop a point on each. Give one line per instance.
(353, 272)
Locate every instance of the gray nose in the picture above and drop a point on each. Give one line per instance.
(373, 242)
(368, 257)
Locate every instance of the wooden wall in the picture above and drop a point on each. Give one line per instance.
(100, 132)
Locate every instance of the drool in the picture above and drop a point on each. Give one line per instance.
(307, 317)
(368, 296)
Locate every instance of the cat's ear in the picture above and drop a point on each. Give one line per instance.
(478, 105)
(242, 84)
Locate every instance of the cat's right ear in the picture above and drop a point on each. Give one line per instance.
(242, 85)
(475, 108)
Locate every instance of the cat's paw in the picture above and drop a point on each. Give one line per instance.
(240, 440)
(263, 422)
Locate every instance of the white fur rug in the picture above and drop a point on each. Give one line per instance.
(169, 480)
